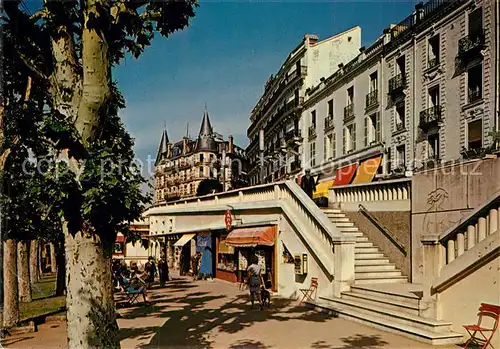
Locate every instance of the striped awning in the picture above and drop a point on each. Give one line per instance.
(184, 239)
(322, 189)
(344, 175)
(367, 170)
(251, 237)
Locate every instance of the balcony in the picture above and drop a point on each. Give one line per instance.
(349, 112)
(475, 95)
(432, 63)
(293, 136)
(400, 126)
(470, 45)
(372, 99)
(431, 116)
(295, 166)
(184, 165)
(397, 84)
(329, 123)
(312, 131)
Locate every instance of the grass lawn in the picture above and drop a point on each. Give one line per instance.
(44, 301)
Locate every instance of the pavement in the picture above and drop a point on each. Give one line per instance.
(215, 314)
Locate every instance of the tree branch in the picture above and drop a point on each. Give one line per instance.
(31, 66)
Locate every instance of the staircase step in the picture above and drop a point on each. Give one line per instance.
(361, 249)
(336, 220)
(383, 274)
(388, 292)
(358, 256)
(406, 307)
(349, 230)
(373, 261)
(332, 210)
(361, 239)
(381, 280)
(391, 321)
(373, 268)
(364, 244)
(344, 225)
(336, 215)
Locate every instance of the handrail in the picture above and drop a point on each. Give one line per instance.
(371, 184)
(386, 231)
(476, 214)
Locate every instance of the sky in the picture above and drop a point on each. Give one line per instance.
(223, 59)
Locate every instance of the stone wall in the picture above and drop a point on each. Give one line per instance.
(399, 225)
(443, 197)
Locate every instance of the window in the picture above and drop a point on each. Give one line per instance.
(312, 153)
(475, 138)
(475, 23)
(433, 150)
(330, 107)
(328, 146)
(474, 83)
(400, 65)
(201, 157)
(373, 82)
(201, 172)
(372, 129)
(434, 96)
(400, 116)
(313, 118)
(334, 146)
(349, 138)
(401, 157)
(350, 95)
(433, 57)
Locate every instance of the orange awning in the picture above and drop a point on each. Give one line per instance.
(345, 174)
(251, 237)
(367, 170)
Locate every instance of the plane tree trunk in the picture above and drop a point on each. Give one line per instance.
(11, 299)
(23, 271)
(34, 262)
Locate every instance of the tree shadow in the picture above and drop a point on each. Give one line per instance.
(189, 321)
(248, 344)
(356, 341)
(8, 342)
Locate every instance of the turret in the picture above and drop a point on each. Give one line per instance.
(163, 149)
(206, 140)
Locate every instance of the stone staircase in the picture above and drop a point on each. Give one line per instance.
(381, 296)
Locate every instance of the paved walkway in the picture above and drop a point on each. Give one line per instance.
(216, 315)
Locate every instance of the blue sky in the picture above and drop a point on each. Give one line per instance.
(224, 58)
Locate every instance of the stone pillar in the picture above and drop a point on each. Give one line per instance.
(493, 221)
(481, 233)
(433, 261)
(343, 265)
(471, 236)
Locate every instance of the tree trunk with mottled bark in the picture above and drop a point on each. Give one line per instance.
(11, 299)
(61, 268)
(53, 263)
(34, 262)
(23, 271)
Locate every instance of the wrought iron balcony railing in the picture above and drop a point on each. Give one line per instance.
(312, 131)
(475, 95)
(372, 99)
(292, 135)
(471, 43)
(430, 116)
(349, 112)
(329, 123)
(397, 83)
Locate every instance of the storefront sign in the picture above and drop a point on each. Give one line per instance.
(228, 219)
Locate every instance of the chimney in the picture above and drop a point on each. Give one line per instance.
(169, 150)
(387, 35)
(310, 39)
(230, 147)
(185, 149)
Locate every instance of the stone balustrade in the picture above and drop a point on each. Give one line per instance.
(390, 195)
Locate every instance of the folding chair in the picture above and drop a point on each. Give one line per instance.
(488, 310)
(131, 293)
(308, 292)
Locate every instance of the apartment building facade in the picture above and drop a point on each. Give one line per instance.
(425, 92)
(277, 114)
(181, 166)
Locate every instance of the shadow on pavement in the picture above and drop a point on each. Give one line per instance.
(356, 341)
(190, 319)
(248, 344)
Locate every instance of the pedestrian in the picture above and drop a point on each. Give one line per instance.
(163, 270)
(254, 280)
(150, 269)
(308, 184)
(195, 261)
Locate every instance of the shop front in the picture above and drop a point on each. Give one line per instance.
(182, 254)
(237, 248)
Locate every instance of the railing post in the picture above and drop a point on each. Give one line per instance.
(433, 260)
(216, 199)
(493, 221)
(240, 196)
(276, 192)
(343, 265)
(481, 224)
(471, 236)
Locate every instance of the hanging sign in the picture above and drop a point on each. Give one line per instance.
(228, 219)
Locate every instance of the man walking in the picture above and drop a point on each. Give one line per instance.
(308, 184)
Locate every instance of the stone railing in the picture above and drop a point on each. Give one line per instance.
(308, 221)
(389, 195)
